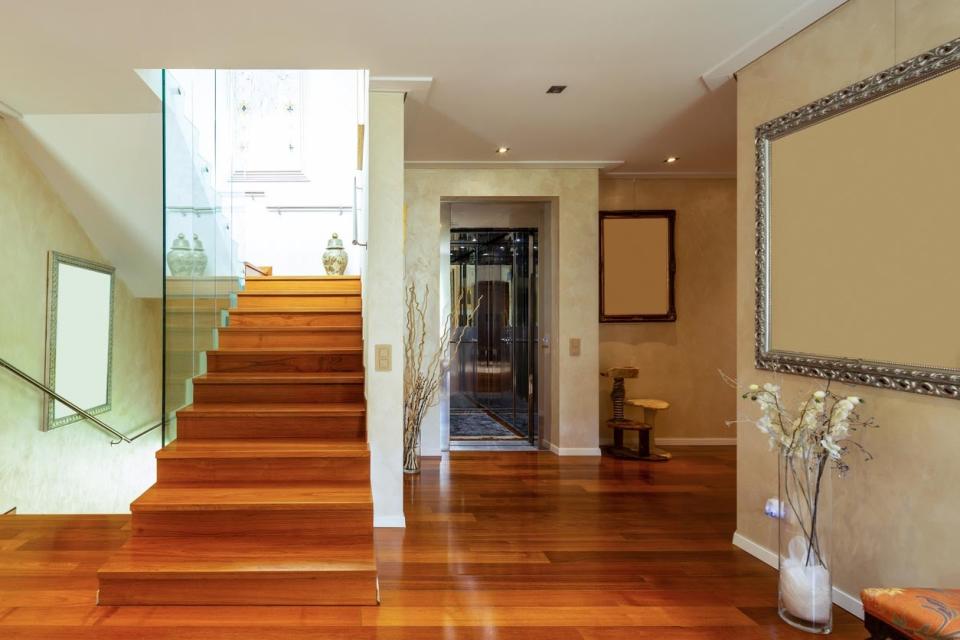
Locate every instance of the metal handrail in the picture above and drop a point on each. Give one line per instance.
(92, 418)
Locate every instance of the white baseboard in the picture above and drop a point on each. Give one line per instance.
(390, 521)
(696, 442)
(574, 451)
(757, 551)
(848, 602)
(841, 598)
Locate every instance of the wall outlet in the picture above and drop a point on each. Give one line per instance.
(574, 346)
(383, 357)
(774, 508)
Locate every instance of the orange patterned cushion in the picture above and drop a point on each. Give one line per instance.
(925, 614)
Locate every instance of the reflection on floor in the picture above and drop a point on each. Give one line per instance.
(514, 546)
(491, 445)
(477, 424)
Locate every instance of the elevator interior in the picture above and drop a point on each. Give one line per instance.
(493, 377)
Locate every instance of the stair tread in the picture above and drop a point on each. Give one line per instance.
(320, 278)
(290, 350)
(259, 497)
(160, 557)
(281, 377)
(263, 448)
(274, 409)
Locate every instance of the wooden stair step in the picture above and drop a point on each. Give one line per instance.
(276, 337)
(274, 420)
(239, 461)
(302, 283)
(278, 387)
(236, 571)
(253, 510)
(272, 498)
(288, 359)
(281, 317)
(297, 300)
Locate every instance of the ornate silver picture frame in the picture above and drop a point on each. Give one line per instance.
(928, 380)
(79, 354)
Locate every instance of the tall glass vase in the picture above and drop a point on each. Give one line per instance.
(806, 587)
(411, 448)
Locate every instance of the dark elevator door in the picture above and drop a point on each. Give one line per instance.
(494, 371)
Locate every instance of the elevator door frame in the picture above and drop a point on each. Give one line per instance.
(534, 435)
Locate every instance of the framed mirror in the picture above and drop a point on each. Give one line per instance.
(79, 337)
(857, 220)
(637, 266)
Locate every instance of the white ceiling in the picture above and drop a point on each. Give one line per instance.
(633, 67)
(637, 71)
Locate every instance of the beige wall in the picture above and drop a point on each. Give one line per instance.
(679, 361)
(896, 518)
(72, 469)
(383, 307)
(572, 427)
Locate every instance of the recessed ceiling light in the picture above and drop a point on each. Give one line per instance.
(556, 88)
(502, 150)
(671, 159)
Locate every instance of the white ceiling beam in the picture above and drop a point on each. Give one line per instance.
(416, 86)
(794, 22)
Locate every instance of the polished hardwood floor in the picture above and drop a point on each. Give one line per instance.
(498, 545)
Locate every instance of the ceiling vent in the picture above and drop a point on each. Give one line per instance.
(556, 88)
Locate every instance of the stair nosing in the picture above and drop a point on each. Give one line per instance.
(280, 377)
(320, 449)
(318, 278)
(283, 329)
(292, 311)
(300, 294)
(290, 350)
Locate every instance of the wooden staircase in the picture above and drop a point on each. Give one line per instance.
(264, 497)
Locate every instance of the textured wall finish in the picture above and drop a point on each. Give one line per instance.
(72, 469)
(383, 306)
(895, 519)
(679, 361)
(574, 409)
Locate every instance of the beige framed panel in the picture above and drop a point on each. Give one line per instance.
(858, 222)
(637, 266)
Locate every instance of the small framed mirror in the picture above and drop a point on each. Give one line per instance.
(637, 266)
(79, 337)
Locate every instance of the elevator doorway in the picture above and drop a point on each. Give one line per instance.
(493, 376)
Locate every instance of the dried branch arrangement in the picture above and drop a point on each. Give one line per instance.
(422, 372)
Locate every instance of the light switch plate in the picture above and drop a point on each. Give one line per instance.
(383, 357)
(574, 346)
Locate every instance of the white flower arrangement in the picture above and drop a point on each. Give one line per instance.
(817, 435)
(819, 431)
